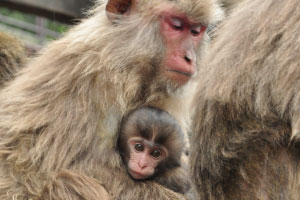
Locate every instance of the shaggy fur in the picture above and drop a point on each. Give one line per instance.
(63, 110)
(70, 185)
(12, 57)
(230, 4)
(246, 142)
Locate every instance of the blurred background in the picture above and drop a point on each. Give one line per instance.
(37, 22)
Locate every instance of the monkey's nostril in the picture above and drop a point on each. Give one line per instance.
(187, 59)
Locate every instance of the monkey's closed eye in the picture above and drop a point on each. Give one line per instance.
(196, 30)
(139, 147)
(176, 23)
(156, 153)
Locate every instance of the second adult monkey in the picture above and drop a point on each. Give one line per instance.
(151, 143)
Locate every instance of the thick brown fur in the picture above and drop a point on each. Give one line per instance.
(246, 141)
(63, 110)
(12, 57)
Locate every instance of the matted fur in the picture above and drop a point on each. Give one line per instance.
(12, 57)
(63, 110)
(247, 124)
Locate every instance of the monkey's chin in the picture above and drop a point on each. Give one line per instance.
(136, 175)
(180, 78)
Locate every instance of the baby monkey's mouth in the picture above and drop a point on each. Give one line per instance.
(136, 175)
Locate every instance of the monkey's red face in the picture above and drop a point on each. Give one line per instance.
(144, 157)
(182, 38)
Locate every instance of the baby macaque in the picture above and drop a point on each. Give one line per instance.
(151, 143)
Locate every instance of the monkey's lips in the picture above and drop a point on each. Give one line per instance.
(179, 76)
(137, 175)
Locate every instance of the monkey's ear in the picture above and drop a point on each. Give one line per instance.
(118, 7)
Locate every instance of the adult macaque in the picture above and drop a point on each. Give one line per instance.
(246, 142)
(12, 57)
(62, 112)
(151, 143)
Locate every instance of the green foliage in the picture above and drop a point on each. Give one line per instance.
(17, 15)
(29, 18)
(55, 26)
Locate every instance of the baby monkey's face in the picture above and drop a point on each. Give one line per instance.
(150, 142)
(144, 156)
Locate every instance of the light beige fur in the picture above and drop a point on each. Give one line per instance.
(230, 4)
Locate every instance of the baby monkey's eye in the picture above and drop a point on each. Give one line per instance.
(156, 153)
(139, 147)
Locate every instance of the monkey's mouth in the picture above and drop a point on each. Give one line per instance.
(180, 72)
(136, 175)
(179, 76)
